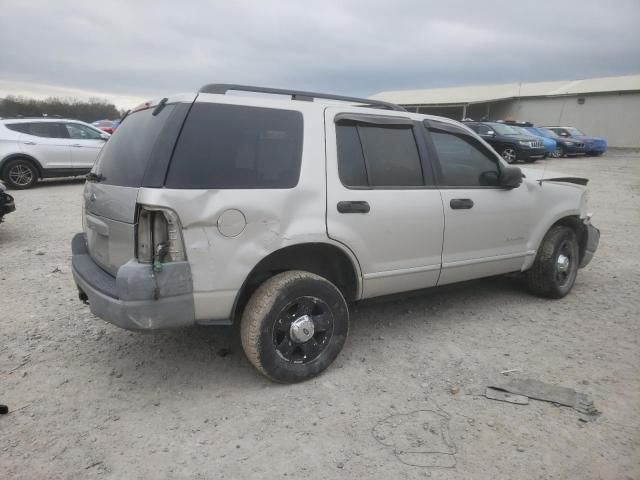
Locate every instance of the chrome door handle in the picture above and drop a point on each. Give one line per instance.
(29, 143)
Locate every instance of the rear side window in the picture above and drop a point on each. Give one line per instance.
(232, 146)
(18, 127)
(47, 130)
(378, 156)
(125, 156)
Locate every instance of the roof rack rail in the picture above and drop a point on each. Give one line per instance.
(223, 88)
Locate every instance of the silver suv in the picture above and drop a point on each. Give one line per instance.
(41, 147)
(279, 212)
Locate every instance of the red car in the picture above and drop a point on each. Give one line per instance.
(106, 125)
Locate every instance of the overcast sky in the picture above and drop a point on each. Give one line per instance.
(126, 50)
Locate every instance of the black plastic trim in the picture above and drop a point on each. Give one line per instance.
(223, 88)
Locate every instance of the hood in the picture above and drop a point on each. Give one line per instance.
(544, 175)
(588, 139)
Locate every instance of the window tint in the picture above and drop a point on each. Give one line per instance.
(463, 162)
(81, 132)
(351, 167)
(47, 130)
(18, 127)
(378, 156)
(233, 146)
(124, 158)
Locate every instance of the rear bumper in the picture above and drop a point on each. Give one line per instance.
(136, 298)
(590, 244)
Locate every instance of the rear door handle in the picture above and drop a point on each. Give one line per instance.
(358, 206)
(461, 203)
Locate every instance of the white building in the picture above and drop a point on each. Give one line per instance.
(606, 107)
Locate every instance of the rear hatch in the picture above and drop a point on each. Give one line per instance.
(136, 155)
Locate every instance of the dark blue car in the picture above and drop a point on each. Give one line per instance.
(592, 145)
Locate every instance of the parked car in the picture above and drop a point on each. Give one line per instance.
(208, 208)
(33, 148)
(105, 125)
(593, 145)
(510, 143)
(7, 204)
(568, 147)
(550, 145)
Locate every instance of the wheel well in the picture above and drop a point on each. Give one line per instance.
(21, 156)
(322, 259)
(575, 223)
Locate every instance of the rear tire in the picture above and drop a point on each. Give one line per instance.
(555, 268)
(294, 326)
(20, 174)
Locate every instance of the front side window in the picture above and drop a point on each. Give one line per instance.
(464, 162)
(81, 132)
(234, 146)
(378, 156)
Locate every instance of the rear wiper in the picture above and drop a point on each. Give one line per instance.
(94, 177)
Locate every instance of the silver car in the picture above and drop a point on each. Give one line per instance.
(211, 208)
(34, 148)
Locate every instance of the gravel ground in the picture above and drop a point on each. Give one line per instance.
(403, 400)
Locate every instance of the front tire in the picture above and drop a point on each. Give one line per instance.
(294, 326)
(555, 268)
(20, 174)
(558, 152)
(509, 154)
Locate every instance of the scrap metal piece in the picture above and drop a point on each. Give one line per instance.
(549, 393)
(503, 396)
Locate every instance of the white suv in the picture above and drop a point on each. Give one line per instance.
(33, 148)
(209, 208)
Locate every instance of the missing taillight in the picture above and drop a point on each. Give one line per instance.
(158, 236)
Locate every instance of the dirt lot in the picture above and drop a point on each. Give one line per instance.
(402, 401)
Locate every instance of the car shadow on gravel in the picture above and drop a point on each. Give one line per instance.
(193, 357)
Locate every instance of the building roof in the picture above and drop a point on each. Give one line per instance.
(487, 93)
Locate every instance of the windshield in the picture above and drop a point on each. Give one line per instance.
(574, 131)
(548, 133)
(504, 129)
(523, 131)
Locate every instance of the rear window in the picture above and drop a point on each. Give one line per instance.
(125, 156)
(232, 146)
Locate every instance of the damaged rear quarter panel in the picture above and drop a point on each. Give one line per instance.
(275, 218)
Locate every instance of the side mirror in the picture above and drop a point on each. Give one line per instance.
(104, 136)
(510, 177)
(491, 133)
(564, 134)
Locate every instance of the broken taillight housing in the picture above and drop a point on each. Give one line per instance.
(158, 236)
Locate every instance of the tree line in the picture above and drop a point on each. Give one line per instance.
(87, 111)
